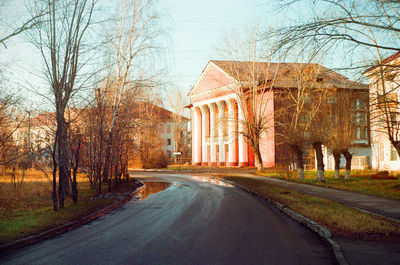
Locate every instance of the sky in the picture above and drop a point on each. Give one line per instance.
(193, 32)
(196, 27)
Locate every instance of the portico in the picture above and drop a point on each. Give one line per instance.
(216, 138)
(216, 131)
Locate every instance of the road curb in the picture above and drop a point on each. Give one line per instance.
(322, 231)
(68, 226)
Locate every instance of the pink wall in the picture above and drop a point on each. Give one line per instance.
(267, 142)
(212, 78)
(192, 130)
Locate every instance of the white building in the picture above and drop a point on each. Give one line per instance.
(385, 112)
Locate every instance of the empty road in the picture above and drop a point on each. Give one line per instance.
(191, 221)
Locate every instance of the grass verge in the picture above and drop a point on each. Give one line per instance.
(339, 219)
(28, 210)
(360, 181)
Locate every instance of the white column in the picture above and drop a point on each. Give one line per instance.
(204, 121)
(196, 136)
(213, 157)
(232, 160)
(221, 120)
(243, 158)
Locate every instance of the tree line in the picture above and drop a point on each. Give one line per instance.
(96, 67)
(361, 34)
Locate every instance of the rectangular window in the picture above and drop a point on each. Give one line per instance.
(364, 133)
(393, 119)
(169, 141)
(393, 153)
(362, 118)
(358, 104)
(355, 103)
(331, 100)
(332, 119)
(303, 117)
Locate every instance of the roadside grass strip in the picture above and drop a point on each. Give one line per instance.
(339, 219)
(362, 181)
(28, 210)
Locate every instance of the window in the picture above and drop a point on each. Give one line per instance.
(358, 133)
(362, 118)
(359, 118)
(331, 100)
(169, 141)
(332, 119)
(364, 133)
(304, 118)
(393, 118)
(358, 104)
(393, 153)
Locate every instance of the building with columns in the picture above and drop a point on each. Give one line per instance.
(215, 112)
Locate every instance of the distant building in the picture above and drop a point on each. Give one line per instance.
(385, 109)
(174, 144)
(219, 143)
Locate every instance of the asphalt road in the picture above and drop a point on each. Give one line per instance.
(192, 221)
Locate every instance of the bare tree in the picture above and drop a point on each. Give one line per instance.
(177, 102)
(298, 121)
(384, 101)
(60, 39)
(134, 41)
(361, 24)
(366, 31)
(18, 27)
(253, 75)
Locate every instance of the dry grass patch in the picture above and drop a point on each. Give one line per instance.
(362, 181)
(339, 219)
(28, 210)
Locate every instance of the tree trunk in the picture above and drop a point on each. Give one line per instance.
(299, 160)
(320, 161)
(257, 154)
(64, 171)
(74, 183)
(107, 159)
(396, 144)
(336, 156)
(54, 193)
(348, 158)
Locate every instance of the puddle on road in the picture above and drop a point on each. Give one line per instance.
(212, 181)
(152, 187)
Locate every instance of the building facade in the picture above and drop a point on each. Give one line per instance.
(216, 113)
(385, 93)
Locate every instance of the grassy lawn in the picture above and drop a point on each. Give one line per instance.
(339, 219)
(28, 210)
(360, 181)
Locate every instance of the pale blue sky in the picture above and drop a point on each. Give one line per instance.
(194, 29)
(197, 26)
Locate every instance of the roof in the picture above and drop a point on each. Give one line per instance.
(387, 60)
(162, 113)
(284, 74)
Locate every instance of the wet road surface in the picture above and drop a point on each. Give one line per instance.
(190, 221)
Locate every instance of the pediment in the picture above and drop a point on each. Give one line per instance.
(210, 80)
